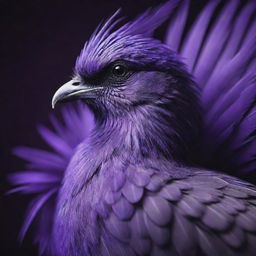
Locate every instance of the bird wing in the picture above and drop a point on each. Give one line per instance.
(45, 169)
(220, 51)
(202, 213)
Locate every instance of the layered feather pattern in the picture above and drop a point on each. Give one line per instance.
(191, 215)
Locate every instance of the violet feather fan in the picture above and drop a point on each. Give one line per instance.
(162, 169)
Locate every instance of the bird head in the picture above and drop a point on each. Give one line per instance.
(120, 71)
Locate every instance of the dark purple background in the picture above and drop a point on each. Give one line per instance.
(40, 41)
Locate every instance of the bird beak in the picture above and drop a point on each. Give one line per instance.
(73, 90)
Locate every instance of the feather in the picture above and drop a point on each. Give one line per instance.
(159, 235)
(208, 243)
(246, 222)
(155, 183)
(112, 197)
(214, 44)
(118, 181)
(138, 224)
(176, 27)
(235, 238)
(141, 246)
(150, 20)
(123, 209)
(191, 207)
(119, 229)
(194, 39)
(34, 208)
(45, 172)
(171, 192)
(153, 205)
(183, 236)
(216, 220)
(132, 193)
(140, 178)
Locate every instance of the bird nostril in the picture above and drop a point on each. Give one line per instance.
(76, 83)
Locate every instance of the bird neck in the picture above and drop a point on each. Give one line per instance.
(147, 131)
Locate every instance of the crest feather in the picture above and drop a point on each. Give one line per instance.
(146, 23)
(95, 53)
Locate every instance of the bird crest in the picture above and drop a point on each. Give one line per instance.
(130, 41)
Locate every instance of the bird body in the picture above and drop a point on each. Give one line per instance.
(152, 207)
(149, 178)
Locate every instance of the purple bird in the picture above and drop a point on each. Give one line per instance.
(174, 122)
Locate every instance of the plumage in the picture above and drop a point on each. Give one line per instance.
(156, 207)
(183, 228)
(171, 192)
(190, 207)
(146, 162)
(160, 236)
(123, 209)
(119, 229)
(132, 192)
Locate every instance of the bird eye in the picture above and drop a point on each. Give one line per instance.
(119, 70)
